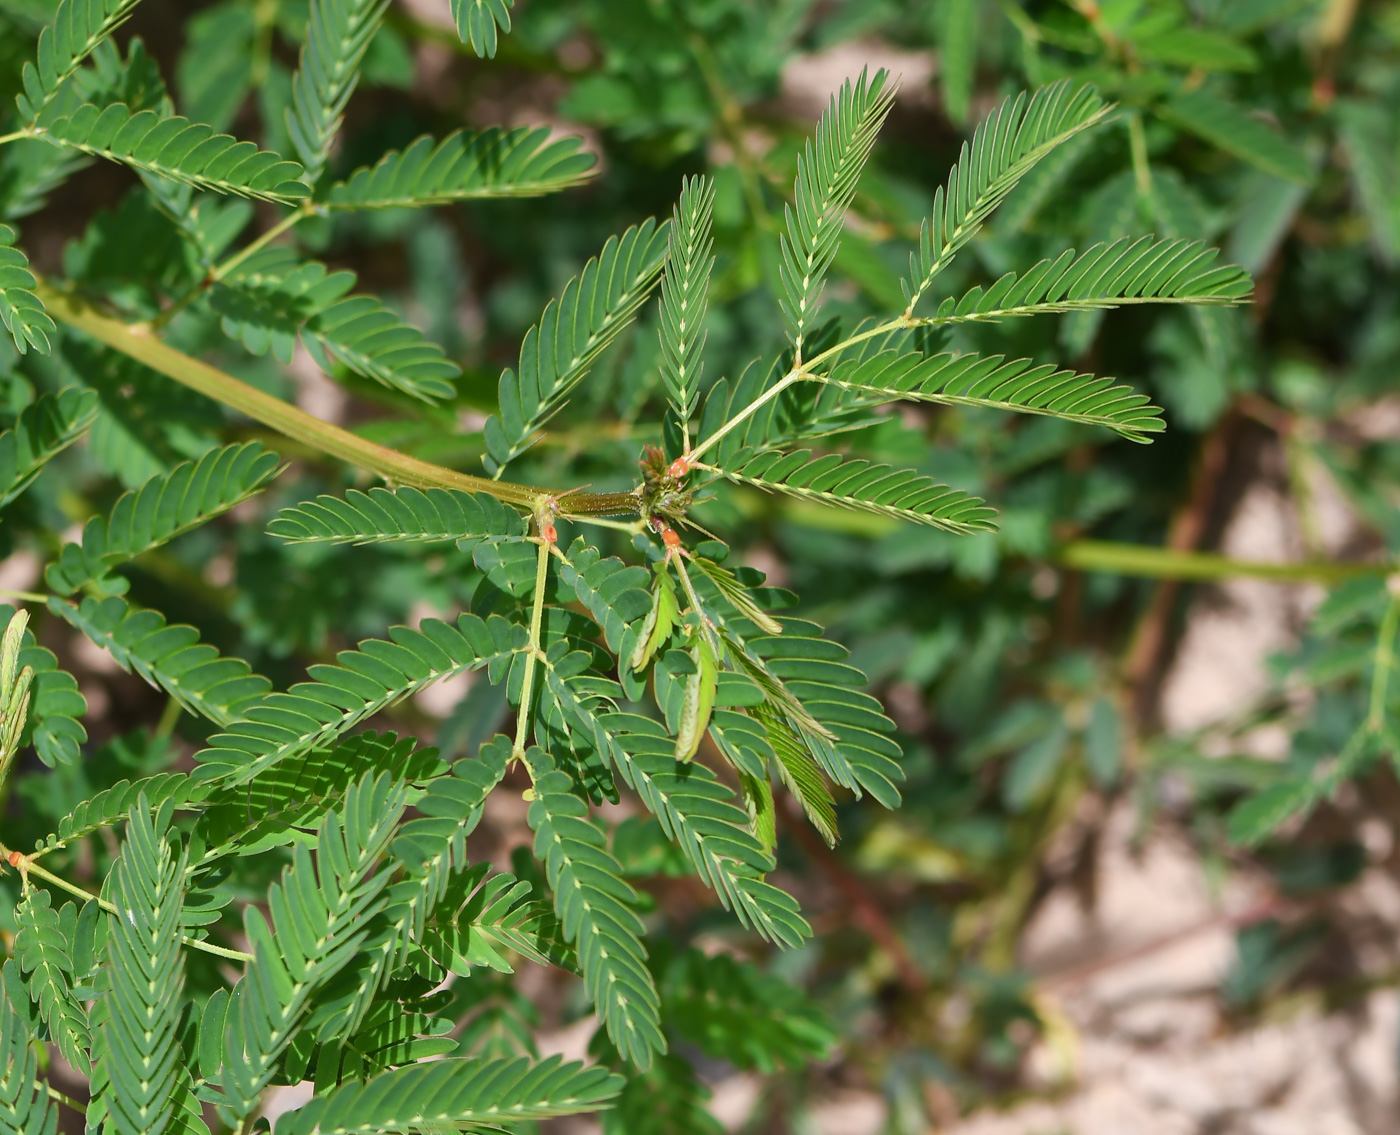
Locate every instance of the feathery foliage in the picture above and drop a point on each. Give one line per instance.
(465, 166)
(43, 953)
(991, 381)
(169, 656)
(77, 29)
(594, 308)
(859, 484)
(464, 1094)
(1017, 135)
(380, 516)
(21, 311)
(337, 36)
(174, 147)
(271, 298)
(380, 932)
(685, 284)
(317, 913)
(596, 909)
(1141, 270)
(827, 175)
(167, 505)
(25, 1107)
(480, 23)
(139, 1064)
(45, 428)
(367, 680)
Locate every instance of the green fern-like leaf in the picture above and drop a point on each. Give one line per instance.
(685, 286)
(465, 1094)
(289, 799)
(21, 311)
(1226, 125)
(594, 905)
(43, 429)
(25, 1107)
(465, 166)
(857, 484)
(1005, 147)
(272, 298)
(367, 680)
(337, 37)
(614, 593)
(1128, 271)
(433, 848)
(827, 173)
(318, 915)
(481, 22)
(733, 1011)
(174, 147)
(77, 29)
(112, 805)
(483, 917)
(575, 329)
(990, 381)
(381, 516)
(169, 656)
(695, 810)
(164, 507)
(44, 955)
(145, 969)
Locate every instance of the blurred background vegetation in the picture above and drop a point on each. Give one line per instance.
(1167, 675)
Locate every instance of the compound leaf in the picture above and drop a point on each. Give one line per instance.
(481, 22)
(21, 311)
(464, 166)
(43, 429)
(164, 507)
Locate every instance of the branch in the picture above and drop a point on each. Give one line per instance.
(136, 341)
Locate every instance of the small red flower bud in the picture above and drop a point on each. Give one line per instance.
(679, 468)
(670, 539)
(550, 534)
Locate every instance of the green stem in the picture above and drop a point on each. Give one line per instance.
(1166, 563)
(67, 1101)
(87, 896)
(16, 136)
(794, 375)
(1137, 142)
(25, 596)
(136, 342)
(1385, 663)
(286, 223)
(532, 654)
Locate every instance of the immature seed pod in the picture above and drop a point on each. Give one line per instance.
(699, 700)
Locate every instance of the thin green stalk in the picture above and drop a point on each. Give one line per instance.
(795, 375)
(1165, 563)
(532, 651)
(25, 596)
(137, 342)
(1384, 663)
(15, 137)
(286, 223)
(66, 1101)
(1137, 142)
(63, 884)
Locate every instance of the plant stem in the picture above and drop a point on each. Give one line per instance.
(532, 653)
(288, 420)
(263, 241)
(15, 137)
(1385, 662)
(87, 896)
(796, 374)
(67, 1101)
(1167, 563)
